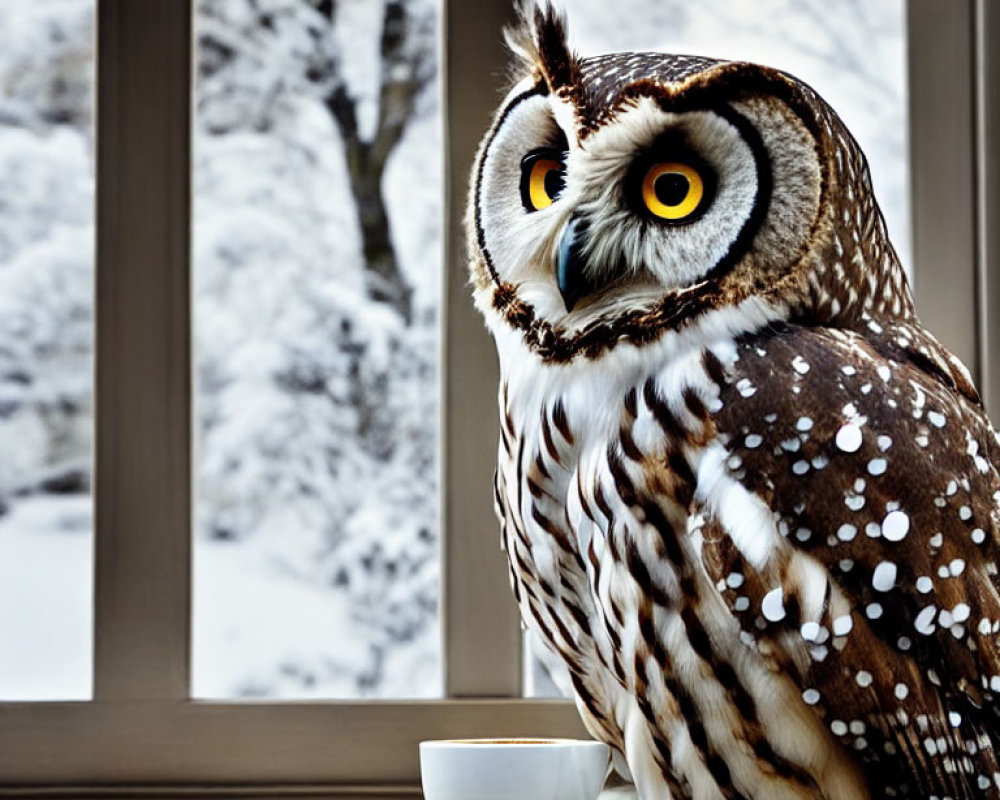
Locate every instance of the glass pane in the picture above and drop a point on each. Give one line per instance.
(853, 53)
(317, 256)
(46, 331)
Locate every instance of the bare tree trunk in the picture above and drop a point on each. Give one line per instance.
(401, 80)
(385, 281)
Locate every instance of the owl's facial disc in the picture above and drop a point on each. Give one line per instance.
(650, 202)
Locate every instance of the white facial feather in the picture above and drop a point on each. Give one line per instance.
(515, 239)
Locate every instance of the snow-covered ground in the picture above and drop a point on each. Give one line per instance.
(46, 587)
(316, 567)
(263, 631)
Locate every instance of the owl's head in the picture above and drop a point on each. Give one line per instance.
(621, 196)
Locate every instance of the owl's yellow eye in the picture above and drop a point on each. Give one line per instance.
(542, 179)
(673, 191)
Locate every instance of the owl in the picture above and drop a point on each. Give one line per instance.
(746, 499)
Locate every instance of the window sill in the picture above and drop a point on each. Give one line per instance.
(244, 793)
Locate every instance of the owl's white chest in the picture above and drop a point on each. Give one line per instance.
(567, 485)
(597, 491)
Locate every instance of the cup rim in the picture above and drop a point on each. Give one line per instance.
(512, 742)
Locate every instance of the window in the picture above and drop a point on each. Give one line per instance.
(142, 728)
(316, 271)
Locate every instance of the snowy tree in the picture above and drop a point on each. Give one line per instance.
(315, 332)
(46, 247)
(406, 69)
(259, 53)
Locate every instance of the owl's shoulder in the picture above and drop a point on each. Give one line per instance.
(890, 379)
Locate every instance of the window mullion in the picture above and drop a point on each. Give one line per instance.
(143, 418)
(988, 198)
(942, 139)
(482, 632)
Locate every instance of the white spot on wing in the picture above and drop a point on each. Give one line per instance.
(848, 438)
(895, 526)
(846, 532)
(924, 623)
(773, 605)
(877, 466)
(884, 577)
(843, 625)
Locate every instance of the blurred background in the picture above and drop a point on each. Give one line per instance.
(317, 273)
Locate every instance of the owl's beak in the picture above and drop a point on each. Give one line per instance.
(570, 262)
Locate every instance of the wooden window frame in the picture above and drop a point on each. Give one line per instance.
(954, 79)
(141, 734)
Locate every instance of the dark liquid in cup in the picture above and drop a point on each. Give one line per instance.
(505, 741)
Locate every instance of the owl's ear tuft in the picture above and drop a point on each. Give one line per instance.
(539, 42)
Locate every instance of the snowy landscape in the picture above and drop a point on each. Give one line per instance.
(316, 327)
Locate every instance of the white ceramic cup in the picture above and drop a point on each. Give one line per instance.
(513, 769)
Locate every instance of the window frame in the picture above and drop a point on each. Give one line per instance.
(954, 80)
(142, 734)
